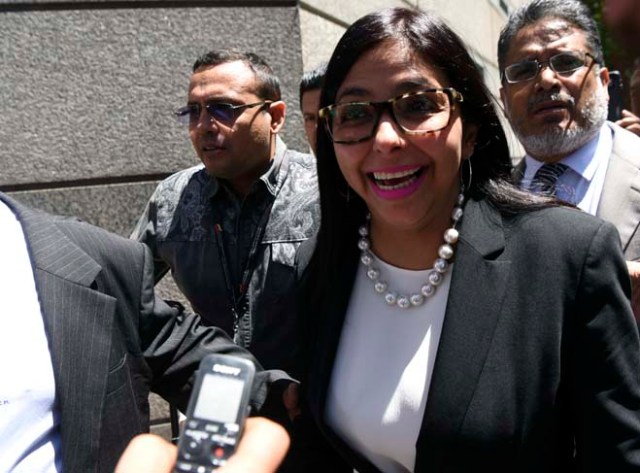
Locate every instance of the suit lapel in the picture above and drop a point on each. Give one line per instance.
(477, 290)
(78, 321)
(620, 201)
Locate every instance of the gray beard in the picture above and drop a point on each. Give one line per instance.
(556, 141)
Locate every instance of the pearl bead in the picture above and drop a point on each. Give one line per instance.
(363, 244)
(391, 298)
(417, 299)
(435, 278)
(363, 230)
(451, 236)
(427, 290)
(380, 286)
(441, 265)
(403, 302)
(457, 214)
(366, 259)
(373, 274)
(445, 251)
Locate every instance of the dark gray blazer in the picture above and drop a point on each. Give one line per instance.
(620, 199)
(539, 351)
(111, 340)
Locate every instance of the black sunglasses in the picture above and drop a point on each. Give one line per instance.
(221, 112)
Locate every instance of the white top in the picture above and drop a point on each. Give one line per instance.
(582, 183)
(29, 430)
(383, 368)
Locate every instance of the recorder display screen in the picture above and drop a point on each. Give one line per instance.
(219, 398)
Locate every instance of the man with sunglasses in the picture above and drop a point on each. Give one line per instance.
(554, 90)
(228, 229)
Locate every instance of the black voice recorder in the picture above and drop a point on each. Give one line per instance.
(218, 407)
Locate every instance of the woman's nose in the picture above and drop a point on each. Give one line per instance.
(388, 135)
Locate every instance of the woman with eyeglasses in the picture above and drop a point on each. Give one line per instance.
(452, 323)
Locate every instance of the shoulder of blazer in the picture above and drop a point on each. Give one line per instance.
(73, 249)
(626, 145)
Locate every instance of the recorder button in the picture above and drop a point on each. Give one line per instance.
(232, 428)
(218, 452)
(185, 467)
(193, 446)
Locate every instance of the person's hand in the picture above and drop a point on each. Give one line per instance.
(148, 453)
(630, 122)
(634, 274)
(261, 450)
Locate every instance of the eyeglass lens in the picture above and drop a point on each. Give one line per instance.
(221, 112)
(421, 112)
(562, 63)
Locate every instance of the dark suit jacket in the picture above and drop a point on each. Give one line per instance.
(620, 198)
(539, 351)
(111, 340)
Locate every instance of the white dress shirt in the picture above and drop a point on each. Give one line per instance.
(29, 428)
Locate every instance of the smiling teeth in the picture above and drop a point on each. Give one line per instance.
(385, 187)
(381, 176)
(388, 181)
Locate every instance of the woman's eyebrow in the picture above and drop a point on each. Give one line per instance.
(354, 91)
(400, 88)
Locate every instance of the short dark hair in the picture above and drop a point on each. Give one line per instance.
(268, 82)
(573, 12)
(312, 80)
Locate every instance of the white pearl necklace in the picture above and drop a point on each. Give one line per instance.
(435, 277)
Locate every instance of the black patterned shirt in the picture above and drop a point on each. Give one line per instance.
(233, 259)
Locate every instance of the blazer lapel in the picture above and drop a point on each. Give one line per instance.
(78, 321)
(329, 330)
(620, 201)
(477, 290)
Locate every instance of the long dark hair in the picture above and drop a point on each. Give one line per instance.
(430, 39)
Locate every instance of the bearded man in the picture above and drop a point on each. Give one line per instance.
(554, 90)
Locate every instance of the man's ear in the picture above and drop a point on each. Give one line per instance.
(603, 74)
(469, 136)
(278, 112)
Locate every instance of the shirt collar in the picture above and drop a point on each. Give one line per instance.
(274, 177)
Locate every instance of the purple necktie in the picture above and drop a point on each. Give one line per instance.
(544, 182)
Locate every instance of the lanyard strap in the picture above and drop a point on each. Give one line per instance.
(248, 268)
